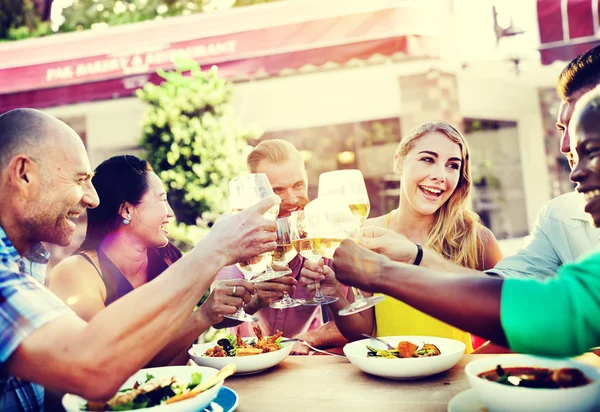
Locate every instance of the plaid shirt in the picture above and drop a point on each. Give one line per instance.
(25, 305)
(36, 262)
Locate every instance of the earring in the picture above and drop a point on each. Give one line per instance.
(127, 220)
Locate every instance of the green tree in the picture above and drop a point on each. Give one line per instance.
(193, 143)
(83, 14)
(20, 19)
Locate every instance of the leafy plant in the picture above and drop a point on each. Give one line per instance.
(194, 144)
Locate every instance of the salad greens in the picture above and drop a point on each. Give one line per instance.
(152, 392)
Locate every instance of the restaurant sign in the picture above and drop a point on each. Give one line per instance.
(118, 65)
(136, 63)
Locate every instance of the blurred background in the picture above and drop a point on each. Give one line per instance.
(342, 80)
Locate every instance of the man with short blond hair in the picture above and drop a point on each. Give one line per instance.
(285, 169)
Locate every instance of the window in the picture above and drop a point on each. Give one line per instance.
(497, 174)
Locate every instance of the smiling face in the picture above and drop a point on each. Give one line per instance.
(430, 172)
(288, 179)
(565, 112)
(585, 145)
(65, 189)
(150, 217)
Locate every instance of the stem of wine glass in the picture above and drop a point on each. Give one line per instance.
(318, 294)
(241, 312)
(269, 269)
(358, 295)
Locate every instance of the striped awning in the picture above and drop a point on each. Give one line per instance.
(245, 42)
(567, 28)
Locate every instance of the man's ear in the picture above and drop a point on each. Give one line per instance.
(397, 164)
(24, 175)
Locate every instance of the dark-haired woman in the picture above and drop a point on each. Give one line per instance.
(126, 246)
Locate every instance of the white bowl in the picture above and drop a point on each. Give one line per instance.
(74, 403)
(498, 398)
(243, 364)
(409, 368)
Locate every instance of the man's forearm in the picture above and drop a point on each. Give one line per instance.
(326, 336)
(120, 339)
(434, 260)
(469, 303)
(158, 309)
(193, 327)
(351, 327)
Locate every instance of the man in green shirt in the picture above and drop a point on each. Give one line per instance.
(558, 317)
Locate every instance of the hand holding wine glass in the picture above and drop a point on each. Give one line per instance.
(246, 234)
(245, 191)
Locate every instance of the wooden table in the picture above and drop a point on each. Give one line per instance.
(323, 383)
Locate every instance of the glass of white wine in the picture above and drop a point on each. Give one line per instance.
(283, 255)
(244, 192)
(350, 185)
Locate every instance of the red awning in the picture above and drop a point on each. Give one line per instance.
(567, 28)
(258, 40)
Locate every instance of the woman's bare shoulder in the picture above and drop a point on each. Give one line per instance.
(76, 267)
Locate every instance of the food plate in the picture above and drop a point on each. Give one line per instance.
(508, 398)
(408, 368)
(466, 401)
(74, 403)
(227, 400)
(245, 365)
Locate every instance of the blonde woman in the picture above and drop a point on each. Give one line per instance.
(432, 216)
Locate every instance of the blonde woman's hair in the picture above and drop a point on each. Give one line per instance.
(455, 233)
(273, 151)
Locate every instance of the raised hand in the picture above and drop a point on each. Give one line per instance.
(318, 272)
(267, 292)
(356, 266)
(247, 233)
(388, 243)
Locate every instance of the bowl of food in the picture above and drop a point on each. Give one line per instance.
(412, 357)
(170, 388)
(248, 354)
(530, 383)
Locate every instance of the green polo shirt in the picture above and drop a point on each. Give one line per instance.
(558, 317)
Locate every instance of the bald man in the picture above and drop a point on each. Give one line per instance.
(45, 183)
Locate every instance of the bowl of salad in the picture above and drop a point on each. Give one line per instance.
(248, 354)
(408, 357)
(169, 388)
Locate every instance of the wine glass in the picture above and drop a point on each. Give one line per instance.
(283, 255)
(350, 185)
(244, 192)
